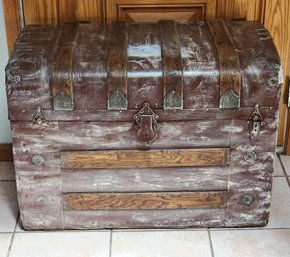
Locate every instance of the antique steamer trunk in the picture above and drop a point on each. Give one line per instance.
(144, 125)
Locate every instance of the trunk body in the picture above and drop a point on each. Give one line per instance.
(144, 125)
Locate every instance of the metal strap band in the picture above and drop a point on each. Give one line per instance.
(172, 66)
(230, 77)
(62, 88)
(117, 67)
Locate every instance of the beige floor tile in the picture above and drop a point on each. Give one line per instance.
(7, 171)
(278, 171)
(61, 244)
(8, 206)
(5, 240)
(251, 243)
(286, 163)
(161, 244)
(280, 207)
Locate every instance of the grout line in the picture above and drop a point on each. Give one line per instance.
(13, 235)
(111, 240)
(210, 243)
(284, 170)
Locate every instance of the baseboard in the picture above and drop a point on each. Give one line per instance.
(6, 152)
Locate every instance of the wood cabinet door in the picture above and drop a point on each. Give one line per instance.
(154, 10)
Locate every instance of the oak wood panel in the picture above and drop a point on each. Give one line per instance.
(277, 22)
(40, 11)
(148, 13)
(232, 9)
(6, 152)
(141, 159)
(82, 10)
(114, 7)
(256, 10)
(144, 201)
(13, 21)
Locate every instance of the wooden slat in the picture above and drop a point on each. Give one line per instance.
(117, 59)
(174, 218)
(144, 201)
(172, 61)
(143, 159)
(230, 76)
(6, 152)
(145, 180)
(63, 65)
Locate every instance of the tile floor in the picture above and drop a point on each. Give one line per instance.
(271, 241)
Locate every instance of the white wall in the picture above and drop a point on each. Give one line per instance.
(5, 135)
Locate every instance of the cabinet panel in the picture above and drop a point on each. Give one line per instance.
(233, 9)
(277, 21)
(82, 10)
(154, 13)
(40, 11)
(152, 10)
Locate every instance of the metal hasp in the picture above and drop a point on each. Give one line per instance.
(146, 124)
(38, 118)
(256, 122)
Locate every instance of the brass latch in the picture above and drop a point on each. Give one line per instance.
(146, 124)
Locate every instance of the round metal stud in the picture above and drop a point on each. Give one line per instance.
(37, 160)
(41, 201)
(250, 156)
(247, 199)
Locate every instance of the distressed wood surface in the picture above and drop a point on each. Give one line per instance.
(62, 69)
(144, 201)
(184, 218)
(172, 61)
(198, 60)
(90, 128)
(230, 75)
(145, 180)
(172, 115)
(241, 177)
(147, 159)
(117, 59)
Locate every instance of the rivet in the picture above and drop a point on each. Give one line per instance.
(250, 156)
(37, 160)
(247, 199)
(41, 201)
